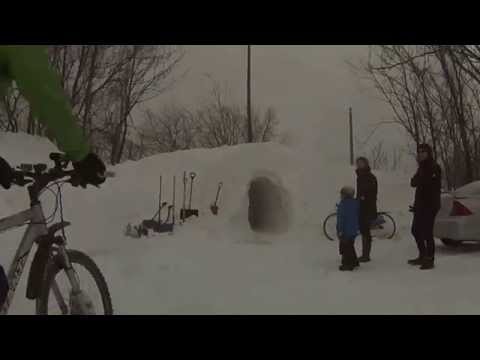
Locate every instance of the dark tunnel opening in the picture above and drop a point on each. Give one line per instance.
(269, 208)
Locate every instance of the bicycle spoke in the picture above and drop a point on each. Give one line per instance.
(58, 296)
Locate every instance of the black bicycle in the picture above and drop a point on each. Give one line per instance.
(383, 227)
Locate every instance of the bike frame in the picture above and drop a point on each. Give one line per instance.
(38, 231)
(37, 227)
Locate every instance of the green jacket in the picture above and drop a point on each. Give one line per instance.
(29, 67)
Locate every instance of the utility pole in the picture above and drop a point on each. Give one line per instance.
(350, 120)
(249, 94)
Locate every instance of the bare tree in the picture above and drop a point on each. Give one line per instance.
(170, 130)
(378, 157)
(105, 83)
(141, 79)
(12, 110)
(220, 122)
(433, 92)
(265, 129)
(396, 159)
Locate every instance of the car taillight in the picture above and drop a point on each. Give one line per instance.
(459, 209)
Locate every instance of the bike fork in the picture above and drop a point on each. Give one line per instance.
(80, 303)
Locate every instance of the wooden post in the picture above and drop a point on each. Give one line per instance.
(249, 94)
(350, 120)
(160, 202)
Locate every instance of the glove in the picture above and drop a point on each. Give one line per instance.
(6, 174)
(90, 170)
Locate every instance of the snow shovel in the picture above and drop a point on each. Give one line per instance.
(190, 212)
(167, 227)
(131, 231)
(214, 206)
(152, 224)
(182, 210)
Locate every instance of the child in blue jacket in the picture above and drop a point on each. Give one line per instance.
(348, 228)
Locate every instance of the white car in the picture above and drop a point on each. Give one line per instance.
(459, 218)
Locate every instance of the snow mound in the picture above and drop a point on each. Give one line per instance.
(263, 253)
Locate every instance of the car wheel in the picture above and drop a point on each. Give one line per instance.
(451, 243)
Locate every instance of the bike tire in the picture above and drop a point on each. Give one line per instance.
(330, 217)
(388, 219)
(394, 225)
(76, 258)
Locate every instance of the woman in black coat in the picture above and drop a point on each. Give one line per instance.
(367, 190)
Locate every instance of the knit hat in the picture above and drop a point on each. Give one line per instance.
(347, 191)
(364, 159)
(425, 147)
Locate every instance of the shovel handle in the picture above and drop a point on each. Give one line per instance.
(220, 185)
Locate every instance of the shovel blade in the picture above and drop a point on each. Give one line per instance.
(214, 209)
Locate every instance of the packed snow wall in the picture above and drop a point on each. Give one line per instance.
(268, 188)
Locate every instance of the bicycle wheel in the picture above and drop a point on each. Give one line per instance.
(330, 227)
(387, 229)
(55, 296)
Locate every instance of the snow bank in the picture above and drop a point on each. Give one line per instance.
(218, 264)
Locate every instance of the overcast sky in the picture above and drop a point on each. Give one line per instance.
(311, 88)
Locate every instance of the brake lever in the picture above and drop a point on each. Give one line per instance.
(21, 181)
(75, 181)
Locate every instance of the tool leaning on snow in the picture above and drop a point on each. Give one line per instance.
(214, 206)
(184, 212)
(156, 224)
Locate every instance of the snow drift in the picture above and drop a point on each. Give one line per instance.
(263, 253)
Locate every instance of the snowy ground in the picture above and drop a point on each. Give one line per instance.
(217, 265)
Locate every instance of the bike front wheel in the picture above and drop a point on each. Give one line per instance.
(386, 229)
(57, 296)
(330, 227)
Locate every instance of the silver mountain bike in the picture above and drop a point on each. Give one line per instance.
(52, 259)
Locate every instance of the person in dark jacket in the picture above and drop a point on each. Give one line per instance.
(367, 189)
(347, 228)
(427, 183)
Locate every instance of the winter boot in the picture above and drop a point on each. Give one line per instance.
(427, 264)
(354, 263)
(416, 262)
(346, 268)
(366, 248)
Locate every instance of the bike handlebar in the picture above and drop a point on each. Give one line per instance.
(41, 176)
(23, 178)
